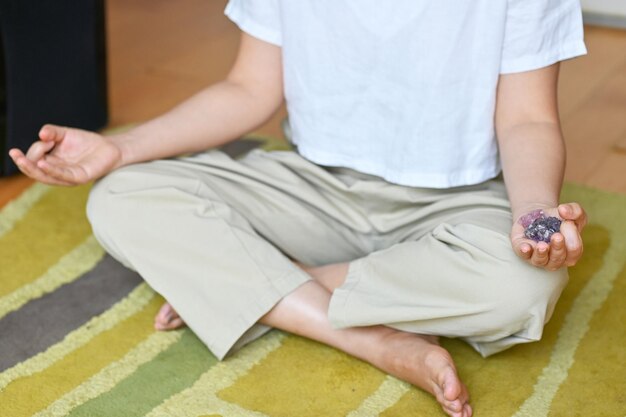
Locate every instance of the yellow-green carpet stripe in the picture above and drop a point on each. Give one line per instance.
(574, 329)
(52, 227)
(577, 368)
(170, 372)
(589, 389)
(591, 298)
(109, 377)
(34, 393)
(322, 372)
(16, 209)
(387, 394)
(201, 398)
(130, 305)
(71, 266)
(51, 317)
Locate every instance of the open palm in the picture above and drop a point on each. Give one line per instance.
(565, 247)
(66, 156)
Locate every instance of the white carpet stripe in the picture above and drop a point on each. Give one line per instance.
(70, 267)
(109, 377)
(130, 305)
(387, 394)
(201, 398)
(575, 326)
(14, 211)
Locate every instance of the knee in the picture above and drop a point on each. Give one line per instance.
(525, 299)
(99, 207)
(513, 292)
(115, 205)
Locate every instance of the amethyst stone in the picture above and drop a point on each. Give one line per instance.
(542, 228)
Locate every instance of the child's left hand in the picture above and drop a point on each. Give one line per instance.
(565, 247)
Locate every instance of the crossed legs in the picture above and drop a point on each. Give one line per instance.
(417, 359)
(206, 209)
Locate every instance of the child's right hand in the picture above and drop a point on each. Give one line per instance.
(67, 156)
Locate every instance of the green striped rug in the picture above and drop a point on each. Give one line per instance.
(76, 339)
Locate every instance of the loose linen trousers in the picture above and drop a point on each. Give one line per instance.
(216, 237)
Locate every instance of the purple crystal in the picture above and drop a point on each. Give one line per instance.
(542, 228)
(527, 219)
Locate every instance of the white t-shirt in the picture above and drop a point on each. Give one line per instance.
(406, 89)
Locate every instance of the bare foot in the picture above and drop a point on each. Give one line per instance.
(167, 318)
(420, 361)
(416, 359)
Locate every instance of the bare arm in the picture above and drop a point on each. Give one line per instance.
(247, 98)
(533, 161)
(529, 137)
(249, 95)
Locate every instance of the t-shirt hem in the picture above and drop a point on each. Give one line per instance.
(251, 27)
(533, 62)
(409, 179)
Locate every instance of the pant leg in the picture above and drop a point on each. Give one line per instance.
(215, 236)
(459, 278)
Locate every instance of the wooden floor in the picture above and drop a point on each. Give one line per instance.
(160, 52)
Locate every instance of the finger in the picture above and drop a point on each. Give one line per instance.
(55, 160)
(30, 169)
(541, 254)
(558, 252)
(25, 165)
(38, 149)
(524, 250)
(521, 246)
(571, 211)
(15, 153)
(573, 242)
(52, 133)
(61, 172)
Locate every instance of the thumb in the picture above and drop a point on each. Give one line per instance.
(571, 211)
(575, 213)
(52, 133)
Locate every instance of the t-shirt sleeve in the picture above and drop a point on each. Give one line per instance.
(539, 33)
(258, 18)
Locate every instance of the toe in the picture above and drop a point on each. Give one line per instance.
(164, 314)
(454, 413)
(175, 323)
(453, 394)
(452, 390)
(167, 318)
(455, 406)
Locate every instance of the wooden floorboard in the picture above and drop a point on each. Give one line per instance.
(620, 145)
(160, 52)
(11, 187)
(610, 174)
(595, 127)
(582, 77)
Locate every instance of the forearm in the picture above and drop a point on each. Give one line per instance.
(533, 163)
(214, 116)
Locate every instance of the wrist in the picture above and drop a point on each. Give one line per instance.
(122, 143)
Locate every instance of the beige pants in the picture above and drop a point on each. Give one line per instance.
(215, 236)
